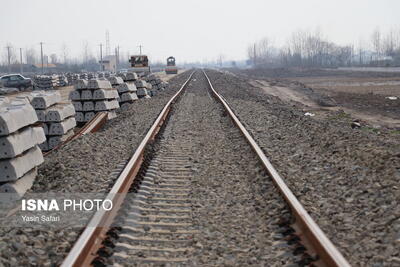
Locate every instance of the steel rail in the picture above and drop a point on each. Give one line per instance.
(84, 250)
(90, 127)
(309, 230)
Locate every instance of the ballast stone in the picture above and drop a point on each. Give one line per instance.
(13, 191)
(60, 112)
(15, 117)
(105, 94)
(99, 84)
(126, 87)
(12, 169)
(61, 128)
(45, 99)
(106, 105)
(18, 142)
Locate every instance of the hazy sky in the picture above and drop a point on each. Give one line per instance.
(190, 30)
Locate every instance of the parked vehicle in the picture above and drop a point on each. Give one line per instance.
(15, 81)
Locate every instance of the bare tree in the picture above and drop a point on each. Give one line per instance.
(65, 53)
(376, 42)
(31, 56)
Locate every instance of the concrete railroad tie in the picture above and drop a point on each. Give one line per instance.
(60, 112)
(89, 116)
(81, 84)
(131, 76)
(12, 169)
(101, 94)
(88, 106)
(41, 114)
(78, 106)
(18, 142)
(15, 117)
(61, 128)
(142, 92)
(56, 140)
(141, 83)
(106, 105)
(86, 95)
(115, 80)
(15, 190)
(45, 100)
(125, 97)
(126, 87)
(80, 117)
(75, 95)
(99, 84)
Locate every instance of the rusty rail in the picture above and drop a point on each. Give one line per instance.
(310, 233)
(84, 250)
(90, 127)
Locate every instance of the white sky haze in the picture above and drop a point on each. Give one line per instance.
(189, 30)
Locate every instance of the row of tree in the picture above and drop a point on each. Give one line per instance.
(312, 49)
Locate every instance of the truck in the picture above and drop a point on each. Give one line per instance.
(139, 64)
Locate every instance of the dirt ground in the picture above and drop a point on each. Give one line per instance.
(371, 97)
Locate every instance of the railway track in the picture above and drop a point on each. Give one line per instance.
(198, 191)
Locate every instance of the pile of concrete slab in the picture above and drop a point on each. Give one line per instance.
(62, 80)
(93, 96)
(45, 82)
(156, 83)
(58, 118)
(127, 94)
(19, 152)
(143, 88)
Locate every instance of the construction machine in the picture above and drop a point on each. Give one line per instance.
(139, 64)
(171, 67)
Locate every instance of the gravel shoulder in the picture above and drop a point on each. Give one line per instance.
(83, 165)
(346, 178)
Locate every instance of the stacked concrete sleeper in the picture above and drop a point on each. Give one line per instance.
(20, 154)
(93, 96)
(58, 118)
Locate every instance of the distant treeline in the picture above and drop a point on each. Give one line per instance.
(312, 49)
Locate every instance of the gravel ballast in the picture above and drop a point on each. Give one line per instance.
(347, 179)
(83, 165)
(234, 205)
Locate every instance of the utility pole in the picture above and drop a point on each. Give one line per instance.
(9, 58)
(41, 55)
(140, 49)
(255, 54)
(20, 57)
(101, 57)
